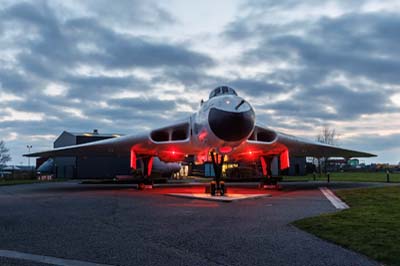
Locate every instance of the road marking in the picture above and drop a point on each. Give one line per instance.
(227, 198)
(338, 203)
(46, 259)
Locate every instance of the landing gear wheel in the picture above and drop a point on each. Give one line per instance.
(222, 188)
(141, 186)
(213, 188)
(270, 183)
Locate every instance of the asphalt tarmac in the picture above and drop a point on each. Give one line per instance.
(119, 225)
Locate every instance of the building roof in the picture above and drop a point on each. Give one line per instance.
(18, 168)
(94, 133)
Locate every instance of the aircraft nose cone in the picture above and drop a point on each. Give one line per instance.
(231, 126)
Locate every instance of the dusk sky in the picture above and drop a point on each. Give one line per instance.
(130, 66)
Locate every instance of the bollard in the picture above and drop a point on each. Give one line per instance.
(387, 176)
(329, 177)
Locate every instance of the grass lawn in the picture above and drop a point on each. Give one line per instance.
(371, 226)
(348, 176)
(25, 181)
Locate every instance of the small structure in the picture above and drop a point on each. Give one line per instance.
(85, 167)
(17, 172)
(353, 162)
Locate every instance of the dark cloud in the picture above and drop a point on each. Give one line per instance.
(130, 13)
(357, 44)
(189, 77)
(13, 81)
(58, 45)
(123, 51)
(137, 110)
(335, 103)
(143, 104)
(343, 100)
(99, 87)
(255, 88)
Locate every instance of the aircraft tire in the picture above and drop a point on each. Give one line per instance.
(141, 186)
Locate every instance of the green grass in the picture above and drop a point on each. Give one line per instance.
(348, 176)
(371, 226)
(26, 181)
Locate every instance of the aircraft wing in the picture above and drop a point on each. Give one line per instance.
(118, 146)
(267, 142)
(170, 143)
(303, 147)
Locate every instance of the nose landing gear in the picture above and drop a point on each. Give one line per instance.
(217, 187)
(213, 189)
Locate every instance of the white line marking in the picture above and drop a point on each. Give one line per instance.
(338, 203)
(226, 198)
(46, 259)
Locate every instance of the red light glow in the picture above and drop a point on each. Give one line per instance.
(284, 158)
(225, 149)
(202, 135)
(133, 159)
(251, 155)
(263, 166)
(171, 155)
(150, 166)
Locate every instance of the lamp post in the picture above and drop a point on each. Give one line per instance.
(29, 158)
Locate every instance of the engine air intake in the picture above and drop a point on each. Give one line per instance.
(263, 135)
(168, 134)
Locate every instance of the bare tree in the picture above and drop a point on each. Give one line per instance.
(4, 155)
(328, 136)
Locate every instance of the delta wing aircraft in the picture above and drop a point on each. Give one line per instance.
(224, 125)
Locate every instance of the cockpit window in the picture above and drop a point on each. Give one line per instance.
(223, 90)
(232, 91)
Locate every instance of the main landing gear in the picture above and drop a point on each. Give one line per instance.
(145, 181)
(268, 182)
(217, 187)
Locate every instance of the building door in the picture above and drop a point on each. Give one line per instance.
(297, 169)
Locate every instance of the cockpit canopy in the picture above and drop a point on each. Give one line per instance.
(222, 90)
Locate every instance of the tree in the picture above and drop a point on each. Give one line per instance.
(4, 155)
(327, 136)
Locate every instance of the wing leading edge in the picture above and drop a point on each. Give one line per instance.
(158, 142)
(303, 147)
(115, 146)
(267, 142)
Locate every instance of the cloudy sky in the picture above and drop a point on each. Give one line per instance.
(134, 65)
